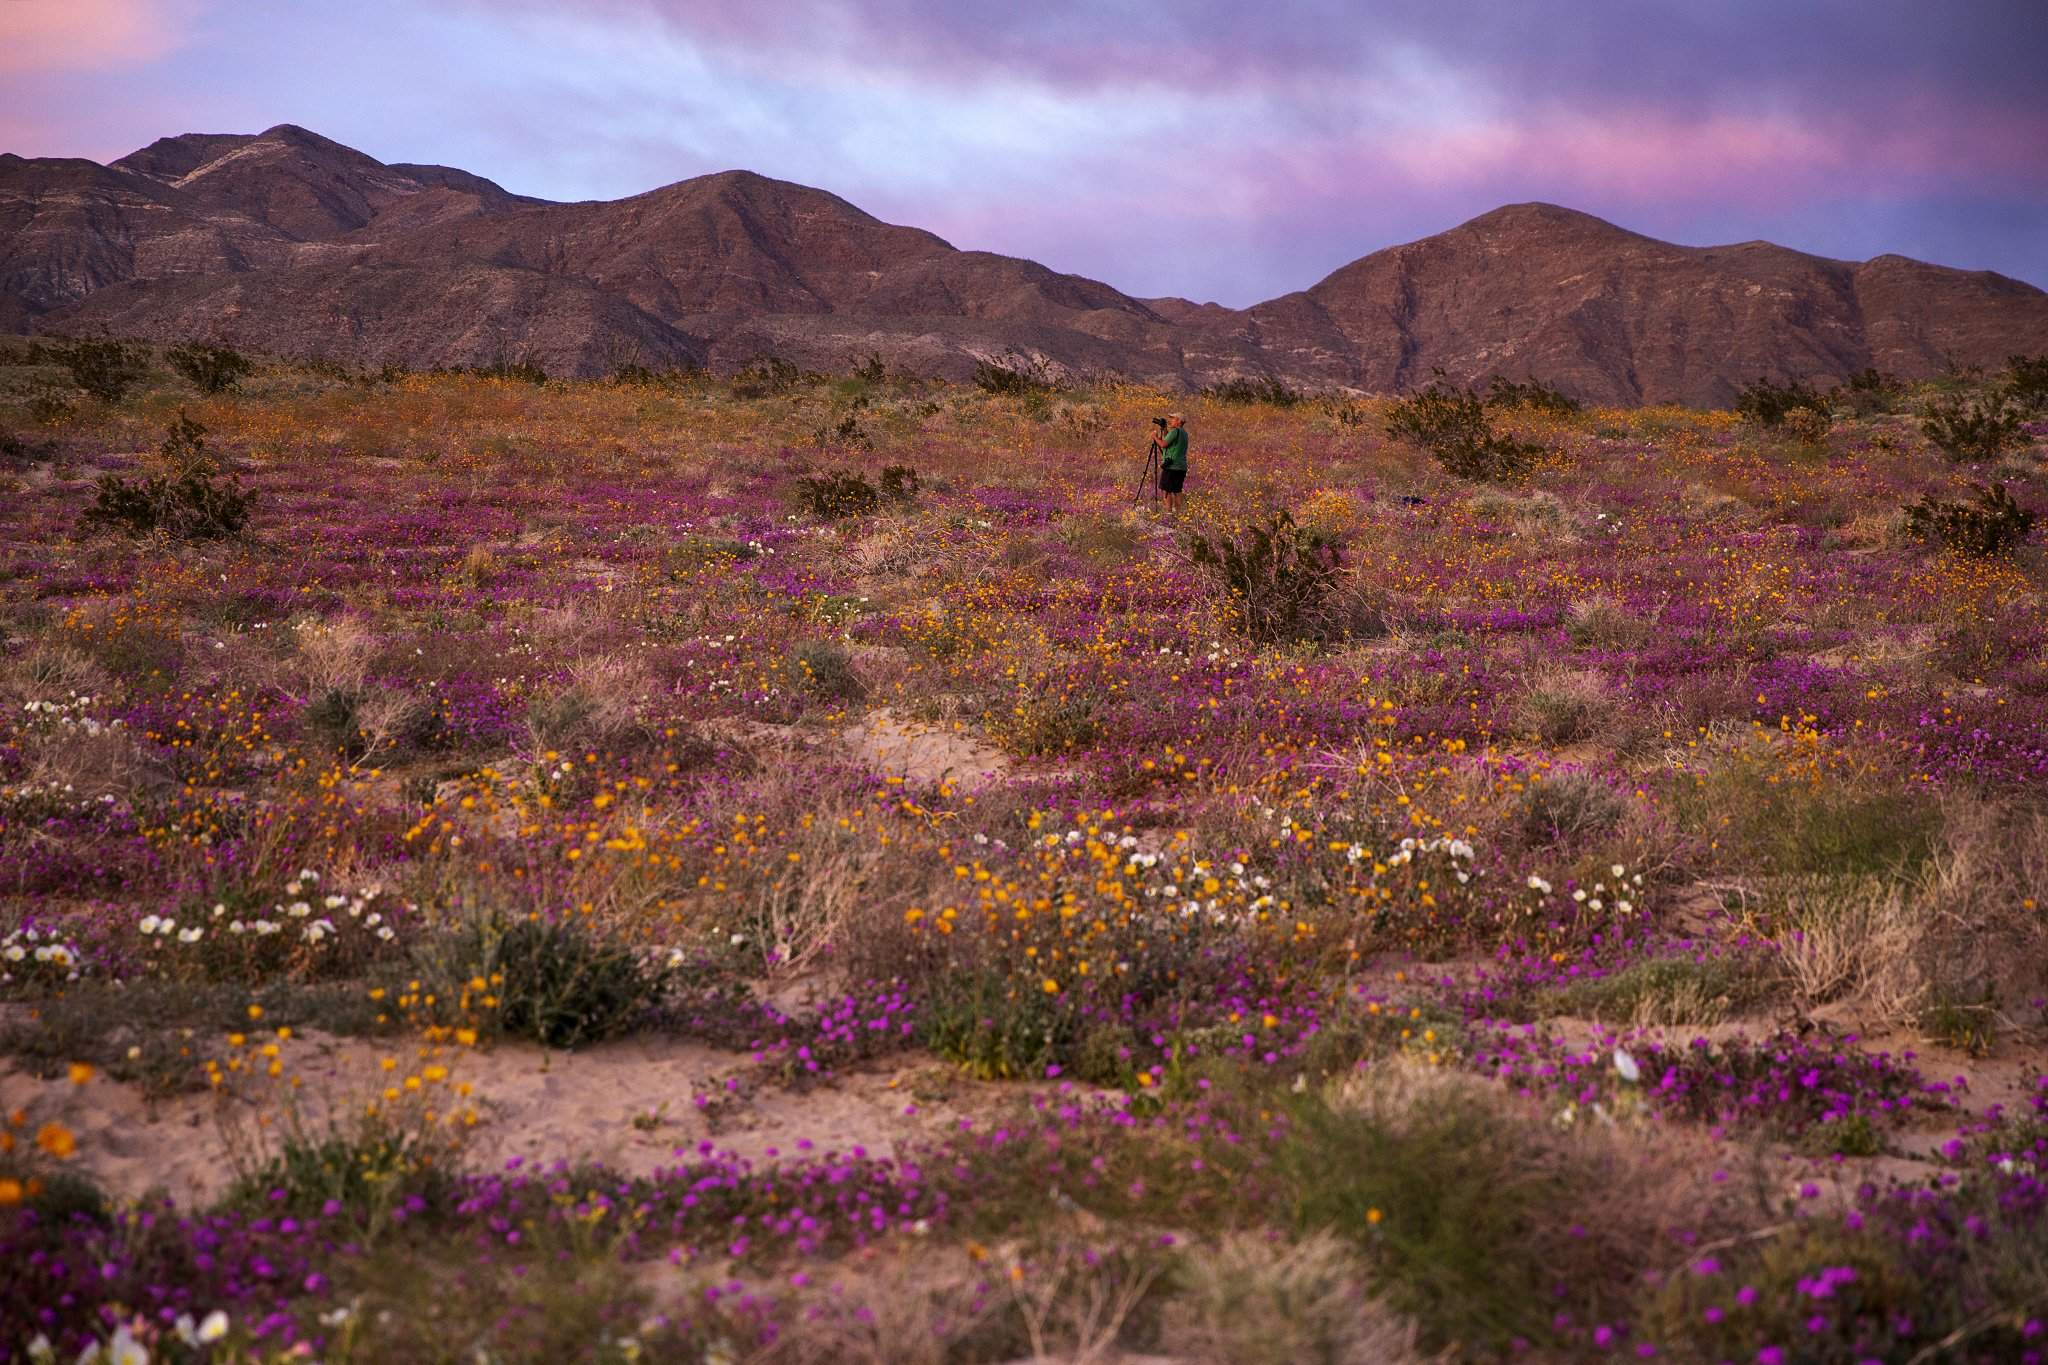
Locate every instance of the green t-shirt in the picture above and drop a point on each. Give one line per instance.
(1175, 456)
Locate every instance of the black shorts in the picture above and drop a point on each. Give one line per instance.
(1170, 480)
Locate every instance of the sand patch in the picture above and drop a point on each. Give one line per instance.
(922, 754)
(637, 1106)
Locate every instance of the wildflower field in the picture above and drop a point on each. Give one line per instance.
(813, 868)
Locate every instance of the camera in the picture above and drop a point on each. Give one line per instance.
(1159, 422)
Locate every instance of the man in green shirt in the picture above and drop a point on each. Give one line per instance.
(1173, 460)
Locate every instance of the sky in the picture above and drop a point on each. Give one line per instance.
(1212, 149)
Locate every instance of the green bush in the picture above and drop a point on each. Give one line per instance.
(561, 985)
(1283, 577)
(826, 671)
(1451, 424)
(367, 1168)
(211, 369)
(106, 370)
(1248, 391)
(1981, 428)
(1991, 524)
(2026, 382)
(1767, 403)
(996, 1025)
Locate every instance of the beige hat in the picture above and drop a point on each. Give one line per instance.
(1175, 417)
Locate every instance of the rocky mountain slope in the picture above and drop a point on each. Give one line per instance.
(290, 243)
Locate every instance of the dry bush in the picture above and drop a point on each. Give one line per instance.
(334, 655)
(1250, 1301)
(1539, 513)
(53, 673)
(1984, 908)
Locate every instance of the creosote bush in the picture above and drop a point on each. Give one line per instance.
(1768, 403)
(1990, 524)
(1979, 428)
(1017, 378)
(184, 502)
(106, 370)
(1451, 424)
(1533, 394)
(1246, 391)
(1281, 575)
(211, 369)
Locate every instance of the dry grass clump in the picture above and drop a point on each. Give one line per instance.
(599, 704)
(1602, 622)
(1849, 943)
(1565, 705)
(1537, 513)
(1252, 1300)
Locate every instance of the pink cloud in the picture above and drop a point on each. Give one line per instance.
(88, 35)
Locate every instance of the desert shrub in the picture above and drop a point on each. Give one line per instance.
(837, 493)
(600, 703)
(2026, 382)
(1241, 390)
(526, 371)
(1281, 576)
(106, 370)
(898, 483)
(188, 507)
(211, 369)
(1529, 393)
(1566, 808)
(847, 432)
(1248, 1301)
(184, 447)
(1870, 392)
(1992, 523)
(330, 721)
(826, 670)
(1979, 428)
(1021, 379)
(1451, 424)
(1767, 403)
(765, 375)
(1808, 426)
(558, 982)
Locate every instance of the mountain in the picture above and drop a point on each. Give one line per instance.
(290, 243)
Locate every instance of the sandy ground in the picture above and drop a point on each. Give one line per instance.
(631, 1105)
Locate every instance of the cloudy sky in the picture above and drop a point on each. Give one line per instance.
(1218, 149)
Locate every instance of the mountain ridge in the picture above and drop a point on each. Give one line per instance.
(288, 242)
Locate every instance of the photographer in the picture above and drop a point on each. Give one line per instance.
(1171, 445)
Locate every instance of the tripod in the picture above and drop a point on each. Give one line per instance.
(1150, 478)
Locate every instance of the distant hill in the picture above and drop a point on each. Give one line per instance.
(287, 242)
